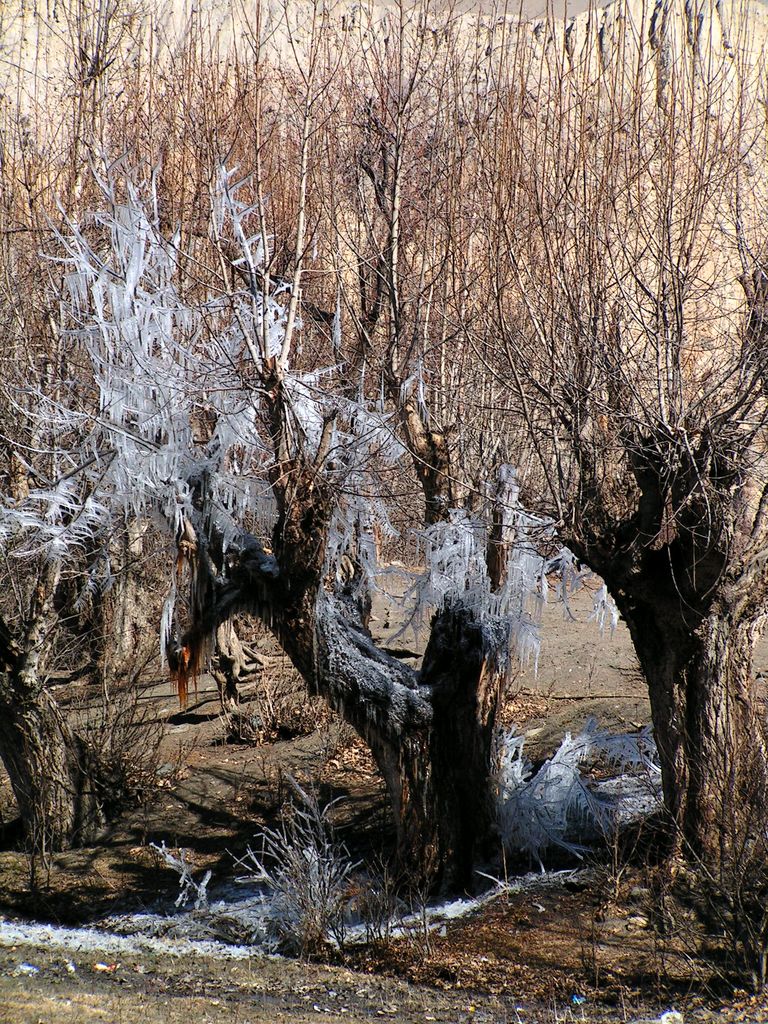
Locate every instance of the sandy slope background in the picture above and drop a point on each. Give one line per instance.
(38, 42)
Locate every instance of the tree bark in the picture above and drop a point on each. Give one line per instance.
(462, 671)
(54, 779)
(501, 535)
(52, 775)
(726, 737)
(680, 541)
(227, 666)
(711, 742)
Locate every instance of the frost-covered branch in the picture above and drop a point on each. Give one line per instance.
(188, 885)
(556, 803)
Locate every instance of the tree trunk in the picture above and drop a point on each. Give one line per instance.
(430, 732)
(663, 644)
(227, 666)
(430, 454)
(126, 621)
(501, 536)
(52, 776)
(460, 666)
(711, 743)
(54, 779)
(726, 738)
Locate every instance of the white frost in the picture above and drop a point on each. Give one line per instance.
(557, 803)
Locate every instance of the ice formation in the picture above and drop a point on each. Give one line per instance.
(557, 803)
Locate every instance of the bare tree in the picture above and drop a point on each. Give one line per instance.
(64, 590)
(402, 213)
(633, 204)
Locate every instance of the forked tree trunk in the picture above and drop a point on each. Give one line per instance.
(429, 732)
(430, 454)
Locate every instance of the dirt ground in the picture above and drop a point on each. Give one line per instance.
(256, 992)
(583, 950)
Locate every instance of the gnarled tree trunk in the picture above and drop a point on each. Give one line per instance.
(728, 767)
(695, 649)
(430, 732)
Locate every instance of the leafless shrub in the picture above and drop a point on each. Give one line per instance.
(378, 902)
(123, 736)
(242, 723)
(307, 874)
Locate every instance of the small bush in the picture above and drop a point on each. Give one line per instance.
(124, 739)
(307, 874)
(378, 903)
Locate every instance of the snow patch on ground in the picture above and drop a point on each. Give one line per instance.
(236, 919)
(17, 933)
(204, 932)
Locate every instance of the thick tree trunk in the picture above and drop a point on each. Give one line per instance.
(686, 566)
(726, 737)
(431, 734)
(52, 776)
(664, 646)
(461, 668)
(711, 742)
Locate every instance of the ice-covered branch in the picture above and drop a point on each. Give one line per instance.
(555, 804)
(189, 886)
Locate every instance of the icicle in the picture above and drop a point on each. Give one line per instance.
(336, 338)
(421, 398)
(166, 621)
(604, 607)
